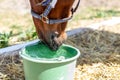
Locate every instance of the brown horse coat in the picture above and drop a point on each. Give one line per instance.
(52, 34)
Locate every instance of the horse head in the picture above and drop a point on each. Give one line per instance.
(50, 18)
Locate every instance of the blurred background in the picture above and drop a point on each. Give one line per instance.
(16, 25)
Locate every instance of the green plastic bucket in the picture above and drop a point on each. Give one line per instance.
(41, 63)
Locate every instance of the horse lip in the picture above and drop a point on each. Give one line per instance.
(54, 43)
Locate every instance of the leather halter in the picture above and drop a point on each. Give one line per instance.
(51, 4)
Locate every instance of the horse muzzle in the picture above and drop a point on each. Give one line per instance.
(55, 41)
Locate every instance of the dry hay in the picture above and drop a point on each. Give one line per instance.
(11, 67)
(99, 60)
(100, 55)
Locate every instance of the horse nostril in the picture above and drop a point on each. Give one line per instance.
(53, 35)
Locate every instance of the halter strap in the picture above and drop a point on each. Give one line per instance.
(50, 21)
(74, 9)
(44, 15)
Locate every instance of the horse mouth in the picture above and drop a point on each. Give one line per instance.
(55, 42)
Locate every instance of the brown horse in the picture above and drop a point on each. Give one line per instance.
(53, 34)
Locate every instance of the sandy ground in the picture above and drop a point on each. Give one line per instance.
(23, 5)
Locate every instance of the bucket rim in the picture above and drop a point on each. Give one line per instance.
(51, 61)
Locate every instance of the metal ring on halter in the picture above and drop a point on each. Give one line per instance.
(44, 19)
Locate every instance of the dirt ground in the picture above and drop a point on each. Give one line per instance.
(24, 4)
(100, 3)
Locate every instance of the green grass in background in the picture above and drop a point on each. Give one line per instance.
(4, 39)
(91, 13)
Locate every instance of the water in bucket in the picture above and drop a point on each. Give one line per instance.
(41, 51)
